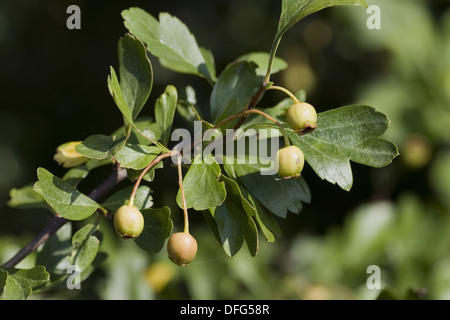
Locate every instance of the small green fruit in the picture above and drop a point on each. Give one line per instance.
(301, 115)
(128, 222)
(182, 248)
(290, 162)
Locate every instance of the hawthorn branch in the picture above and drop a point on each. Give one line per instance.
(117, 175)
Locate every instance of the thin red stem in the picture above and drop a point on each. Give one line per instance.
(183, 196)
(141, 176)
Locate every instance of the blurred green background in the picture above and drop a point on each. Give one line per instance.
(53, 85)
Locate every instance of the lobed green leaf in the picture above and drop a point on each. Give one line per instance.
(201, 185)
(171, 41)
(344, 134)
(268, 190)
(17, 284)
(293, 11)
(234, 220)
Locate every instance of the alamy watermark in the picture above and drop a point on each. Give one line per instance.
(258, 147)
(374, 280)
(374, 20)
(74, 20)
(74, 280)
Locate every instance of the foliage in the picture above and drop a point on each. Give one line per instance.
(236, 200)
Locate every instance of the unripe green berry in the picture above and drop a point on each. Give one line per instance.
(128, 222)
(290, 162)
(301, 115)
(182, 248)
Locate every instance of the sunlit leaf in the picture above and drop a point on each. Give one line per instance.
(65, 200)
(171, 41)
(165, 107)
(202, 187)
(344, 134)
(136, 74)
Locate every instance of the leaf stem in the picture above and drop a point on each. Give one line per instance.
(290, 94)
(183, 197)
(155, 142)
(273, 51)
(128, 132)
(139, 179)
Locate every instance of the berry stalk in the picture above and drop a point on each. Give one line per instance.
(183, 197)
(139, 179)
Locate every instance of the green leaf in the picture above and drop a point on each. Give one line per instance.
(3, 281)
(187, 94)
(136, 156)
(136, 74)
(100, 147)
(98, 260)
(65, 200)
(209, 68)
(150, 135)
(344, 134)
(233, 226)
(234, 89)
(142, 200)
(201, 185)
(55, 251)
(277, 195)
(149, 176)
(165, 111)
(32, 278)
(293, 11)
(266, 221)
(11, 289)
(26, 198)
(75, 175)
(234, 220)
(157, 228)
(170, 41)
(186, 106)
(85, 247)
(17, 284)
(262, 60)
(118, 97)
(140, 124)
